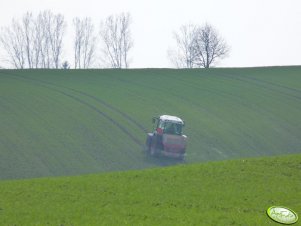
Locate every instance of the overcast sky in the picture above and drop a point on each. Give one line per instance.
(259, 32)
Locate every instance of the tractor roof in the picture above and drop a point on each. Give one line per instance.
(171, 118)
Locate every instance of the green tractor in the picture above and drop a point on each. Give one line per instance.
(167, 138)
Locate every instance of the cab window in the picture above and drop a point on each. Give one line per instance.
(172, 128)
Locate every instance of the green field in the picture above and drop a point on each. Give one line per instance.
(233, 192)
(74, 122)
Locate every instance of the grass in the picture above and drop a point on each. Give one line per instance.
(71, 122)
(233, 192)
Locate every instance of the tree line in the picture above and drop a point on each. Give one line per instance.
(37, 42)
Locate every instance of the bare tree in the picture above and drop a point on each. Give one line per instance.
(34, 42)
(209, 46)
(12, 40)
(28, 32)
(184, 55)
(54, 29)
(77, 42)
(56, 39)
(84, 43)
(44, 20)
(116, 36)
(197, 47)
(37, 42)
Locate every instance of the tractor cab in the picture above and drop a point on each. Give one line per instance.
(167, 138)
(166, 124)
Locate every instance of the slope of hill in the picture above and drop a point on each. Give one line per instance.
(69, 122)
(233, 192)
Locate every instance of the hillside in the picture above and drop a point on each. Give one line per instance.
(71, 122)
(233, 192)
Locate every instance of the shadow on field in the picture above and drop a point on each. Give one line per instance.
(161, 160)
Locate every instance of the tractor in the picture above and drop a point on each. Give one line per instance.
(167, 138)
